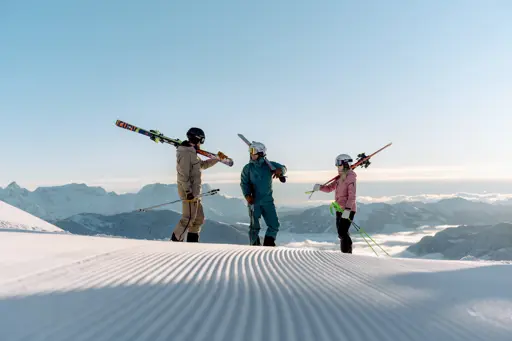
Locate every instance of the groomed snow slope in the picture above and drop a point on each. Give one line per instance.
(67, 287)
(14, 218)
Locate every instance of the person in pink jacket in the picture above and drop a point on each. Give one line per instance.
(345, 196)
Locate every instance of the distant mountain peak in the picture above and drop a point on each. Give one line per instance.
(13, 189)
(13, 186)
(156, 187)
(72, 187)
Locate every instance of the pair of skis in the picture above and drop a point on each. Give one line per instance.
(156, 136)
(159, 137)
(282, 178)
(363, 161)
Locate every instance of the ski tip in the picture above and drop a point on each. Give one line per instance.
(228, 162)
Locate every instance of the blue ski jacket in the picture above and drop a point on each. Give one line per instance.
(256, 180)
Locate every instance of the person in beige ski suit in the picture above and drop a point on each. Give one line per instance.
(189, 167)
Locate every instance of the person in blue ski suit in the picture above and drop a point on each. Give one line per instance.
(256, 184)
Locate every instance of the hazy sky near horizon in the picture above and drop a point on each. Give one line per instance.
(310, 79)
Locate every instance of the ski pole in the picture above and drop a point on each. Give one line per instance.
(338, 208)
(362, 236)
(209, 193)
(363, 231)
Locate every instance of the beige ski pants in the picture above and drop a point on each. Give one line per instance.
(192, 219)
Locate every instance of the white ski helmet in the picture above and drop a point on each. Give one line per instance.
(257, 148)
(343, 159)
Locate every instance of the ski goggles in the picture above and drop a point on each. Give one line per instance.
(254, 151)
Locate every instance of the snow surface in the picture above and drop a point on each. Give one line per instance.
(68, 287)
(14, 218)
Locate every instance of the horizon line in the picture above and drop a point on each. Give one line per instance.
(136, 184)
(425, 197)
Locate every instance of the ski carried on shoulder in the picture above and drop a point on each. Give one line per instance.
(270, 165)
(362, 161)
(156, 136)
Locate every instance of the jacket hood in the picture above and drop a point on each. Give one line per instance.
(186, 146)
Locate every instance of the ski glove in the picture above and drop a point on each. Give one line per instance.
(249, 199)
(317, 187)
(278, 173)
(190, 196)
(346, 213)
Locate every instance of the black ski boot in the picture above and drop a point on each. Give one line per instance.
(173, 238)
(192, 237)
(257, 242)
(269, 241)
(346, 245)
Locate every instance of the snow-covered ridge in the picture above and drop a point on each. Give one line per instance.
(404, 216)
(61, 202)
(152, 225)
(489, 198)
(116, 289)
(14, 218)
(468, 242)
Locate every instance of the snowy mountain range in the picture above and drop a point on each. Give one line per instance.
(388, 218)
(151, 225)
(492, 242)
(60, 202)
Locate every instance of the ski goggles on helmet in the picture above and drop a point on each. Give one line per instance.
(255, 151)
(196, 139)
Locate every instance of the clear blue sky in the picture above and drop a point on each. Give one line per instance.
(311, 79)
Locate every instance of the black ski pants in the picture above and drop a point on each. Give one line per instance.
(343, 225)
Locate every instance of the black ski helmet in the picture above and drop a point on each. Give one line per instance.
(196, 135)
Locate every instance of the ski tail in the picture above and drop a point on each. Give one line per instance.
(152, 134)
(247, 142)
(159, 137)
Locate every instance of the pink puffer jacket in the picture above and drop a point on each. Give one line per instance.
(345, 194)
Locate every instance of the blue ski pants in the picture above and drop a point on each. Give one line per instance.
(269, 213)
